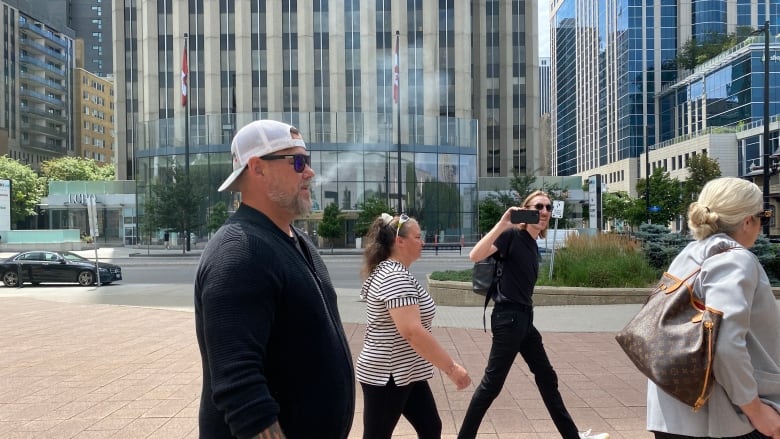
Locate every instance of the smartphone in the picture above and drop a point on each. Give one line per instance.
(528, 216)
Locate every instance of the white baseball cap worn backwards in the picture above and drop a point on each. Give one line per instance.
(259, 138)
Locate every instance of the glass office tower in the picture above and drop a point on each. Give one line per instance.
(635, 46)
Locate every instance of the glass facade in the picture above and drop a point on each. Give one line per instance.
(709, 18)
(438, 179)
(731, 94)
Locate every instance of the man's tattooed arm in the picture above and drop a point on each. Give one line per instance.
(272, 432)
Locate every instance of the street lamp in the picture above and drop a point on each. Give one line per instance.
(766, 123)
(765, 147)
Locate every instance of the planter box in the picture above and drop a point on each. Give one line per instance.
(448, 293)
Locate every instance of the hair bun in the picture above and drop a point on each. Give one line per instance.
(386, 218)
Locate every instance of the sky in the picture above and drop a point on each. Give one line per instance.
(544, 29)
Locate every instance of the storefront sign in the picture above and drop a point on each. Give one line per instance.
(5, 205)
(80, 198)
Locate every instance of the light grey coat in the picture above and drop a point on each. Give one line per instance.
(747, 356)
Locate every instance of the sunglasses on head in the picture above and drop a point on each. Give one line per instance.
(300, 161)
(401, 220)
(765, 216)
(540, 206)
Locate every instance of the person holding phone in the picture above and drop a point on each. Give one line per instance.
(512, 320)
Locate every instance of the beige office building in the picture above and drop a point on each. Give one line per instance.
(467, 89)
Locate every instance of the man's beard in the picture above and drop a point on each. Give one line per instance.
(292, 202)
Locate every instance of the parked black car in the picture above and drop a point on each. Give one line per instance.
(38, 266)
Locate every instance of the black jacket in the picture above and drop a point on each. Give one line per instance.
(270, 336)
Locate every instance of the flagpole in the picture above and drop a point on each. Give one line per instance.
(187, 111)
(397, 74)
(186, 126)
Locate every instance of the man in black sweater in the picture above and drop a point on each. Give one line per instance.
(276, 362)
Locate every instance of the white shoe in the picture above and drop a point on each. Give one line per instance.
(589, 435)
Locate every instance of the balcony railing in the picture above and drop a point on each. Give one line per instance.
(28, 43)
(42, 81)
(24, 24)
(41, 97)
(29, 60)
(43, 113)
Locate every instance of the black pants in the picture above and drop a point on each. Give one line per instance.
(513, 333)
(752, 435)
(384, 405)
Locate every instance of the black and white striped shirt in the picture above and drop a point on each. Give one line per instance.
(385, 353)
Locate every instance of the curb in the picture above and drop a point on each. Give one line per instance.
(164, 255)
(451, 293)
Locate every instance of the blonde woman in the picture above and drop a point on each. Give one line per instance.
(728, 215)
(512, 321)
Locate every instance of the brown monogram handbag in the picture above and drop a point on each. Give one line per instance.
(672, 340)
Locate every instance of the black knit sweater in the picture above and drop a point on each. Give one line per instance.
(270, 336)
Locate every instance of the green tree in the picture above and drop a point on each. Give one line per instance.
(27, 188)
(176, 205)
(524, 185)
(696, 52)
(615, 205)
(412, 192)
(666, 193)
(701, 169)
(490, 211)
(370, 209)
(332, 225)
(217, 216)
(78, 169)
(440, 206)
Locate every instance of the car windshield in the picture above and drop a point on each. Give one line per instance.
(73, 257)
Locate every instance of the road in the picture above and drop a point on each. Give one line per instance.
(344, 269)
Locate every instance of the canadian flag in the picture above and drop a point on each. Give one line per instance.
(185, 73)
(396, 75)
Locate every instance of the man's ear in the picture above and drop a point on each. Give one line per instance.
(256, 167)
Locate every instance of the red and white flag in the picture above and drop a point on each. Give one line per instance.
(396, 76)
(185, 73)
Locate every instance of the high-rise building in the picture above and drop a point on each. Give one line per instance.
(91, 20)
(544, 85)
(467, 94)
(609, 61)
(93, 123)
(36, 96)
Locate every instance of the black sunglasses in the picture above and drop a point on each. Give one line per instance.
(300, 161)
(765, 216)
(540, 206)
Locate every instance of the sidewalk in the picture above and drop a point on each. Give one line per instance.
(83, 370)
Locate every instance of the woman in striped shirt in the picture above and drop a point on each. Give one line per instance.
(399, 351)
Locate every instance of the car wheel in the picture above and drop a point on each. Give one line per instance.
(10, 279)
(86, 278)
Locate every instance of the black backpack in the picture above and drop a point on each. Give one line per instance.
(485, 275)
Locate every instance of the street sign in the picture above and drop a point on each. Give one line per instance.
(92, 217)
(557, 211)
(654, 209)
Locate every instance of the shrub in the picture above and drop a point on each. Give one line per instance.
(660, 246)
(767, 254)
(600, 261)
